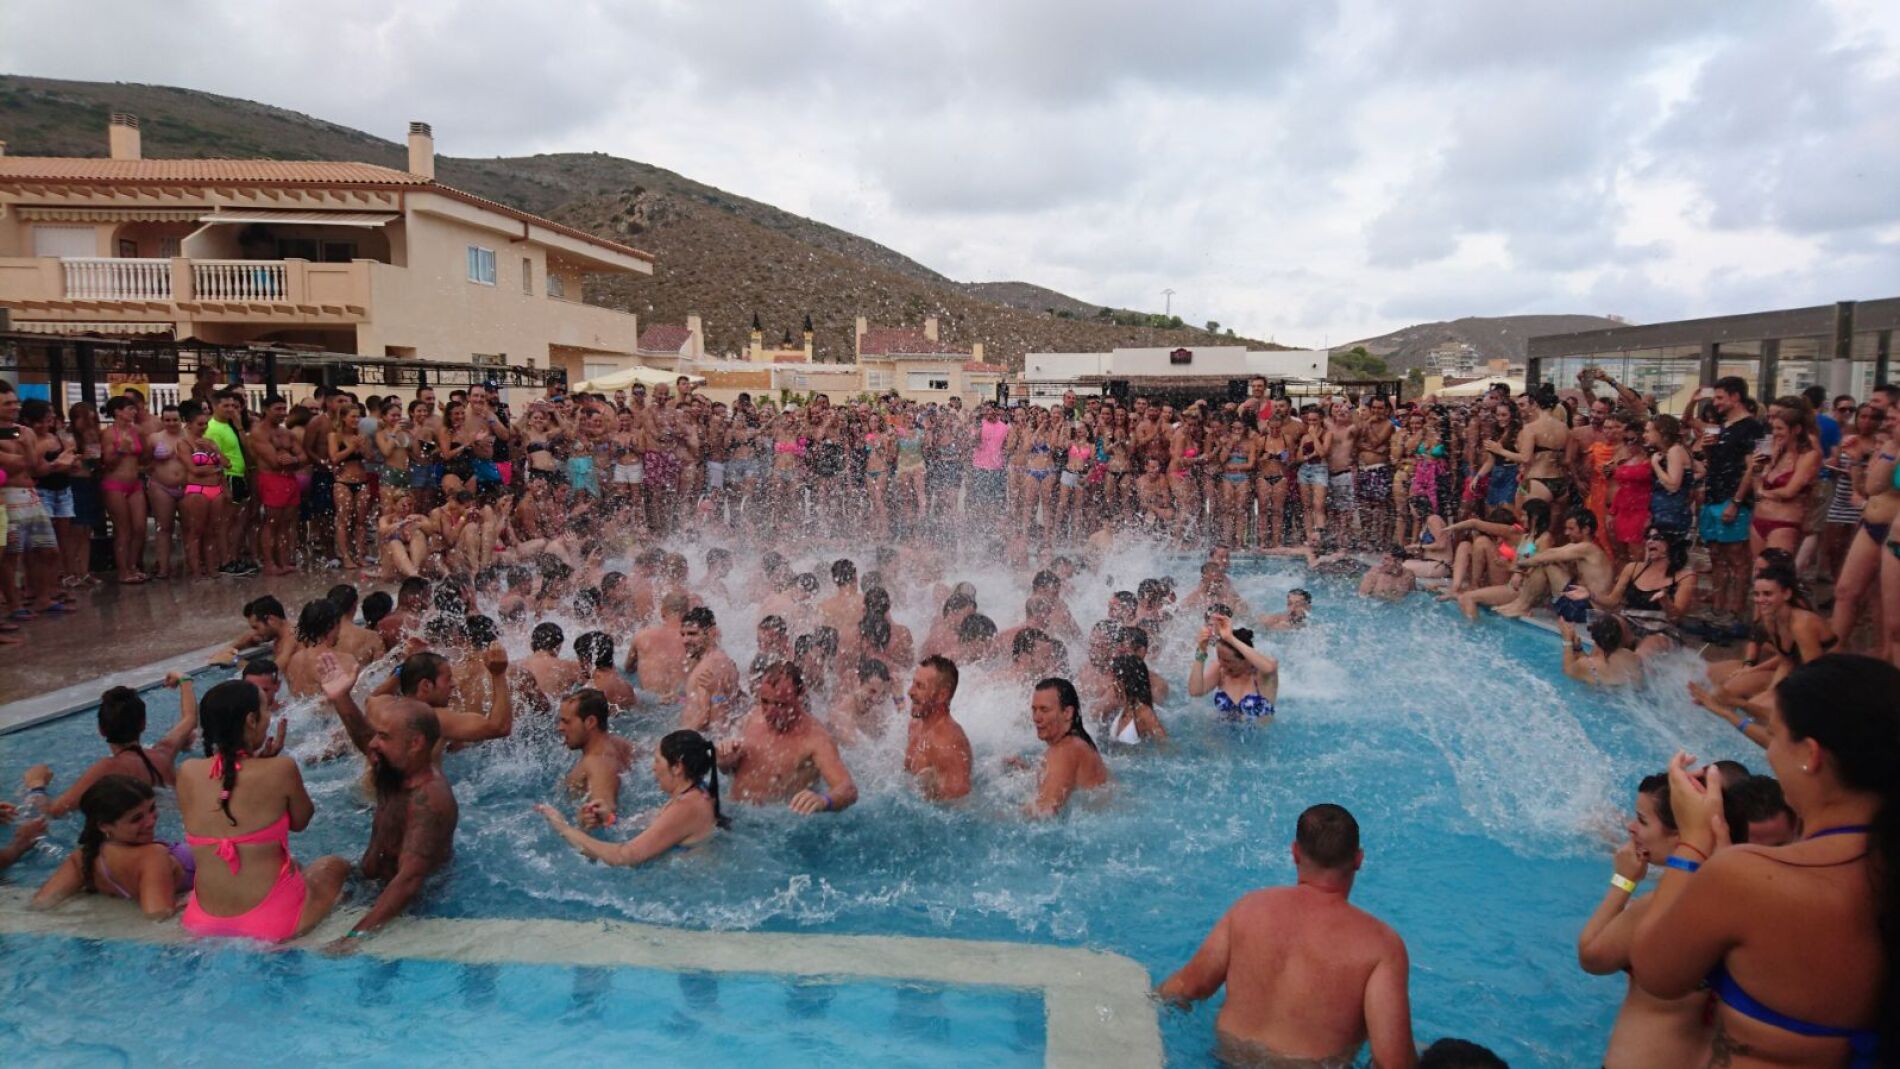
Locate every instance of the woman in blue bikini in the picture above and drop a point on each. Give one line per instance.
(1799, 944)
(1245, 681)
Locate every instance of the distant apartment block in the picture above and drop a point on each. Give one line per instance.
(345, 257)
(920, 366)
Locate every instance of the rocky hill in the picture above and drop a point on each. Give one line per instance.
(721, 255)
(1494, 337)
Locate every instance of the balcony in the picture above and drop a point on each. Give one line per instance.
(100, 288)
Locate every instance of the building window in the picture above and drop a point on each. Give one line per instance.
(481, 265)
(297, 249)
(929, 380)
(527, 276)
(557, 286)
(874, 380)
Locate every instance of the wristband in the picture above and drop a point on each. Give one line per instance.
(1743, 725)
(1201, 657)
(354, 933)
(30, 791)
(1622, 883)
(1683, 863)
(826, 797)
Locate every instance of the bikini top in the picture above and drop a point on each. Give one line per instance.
(161, 450)
(1252, 706)
(180, 852)
(277, 831)
(1776, 482)
(1642, 599)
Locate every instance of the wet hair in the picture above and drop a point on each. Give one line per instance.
(976, 627)
(843, 572)
(807, 582)
(1025, 641)
(1135, 637)
(259, 666)
(591, 704)
(1607, 631)
(1451, 1053)
(1537, 516)
(956, 602)
(344, 597)
(698, 616)
(377, 606)
(107, 801)
(1131, 675)
(824, 638)
(1586, 522)
(1126, 598)
(785, 670)
(481, 631)
(875, 627)
(263, 608)
(417, 669)
(413, 587)
(222, 714)
(693, 754)
(871, 667)
(318, 618)
(1328, 836)
(1302, 593)
(1733, 772)
(718, 556)
(546, 637)
(1657, 787)
(1844, 702)
(774, 623)
(122, 721)
(1067, 698)
(1756, 798)
(1045, 580)
(595, 648)
(946, 670)
(1151, 590)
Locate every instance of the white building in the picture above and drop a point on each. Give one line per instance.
(1049, 375)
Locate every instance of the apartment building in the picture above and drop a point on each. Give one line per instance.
(346, 257)
(920, 366)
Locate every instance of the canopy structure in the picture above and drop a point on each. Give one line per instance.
(640, 374)
(1476, 387)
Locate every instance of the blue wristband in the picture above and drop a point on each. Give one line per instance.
(1682, 863)
(826, 797)
(1745, 722)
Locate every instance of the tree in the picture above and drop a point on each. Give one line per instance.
(1213, 327)
(1357, 363)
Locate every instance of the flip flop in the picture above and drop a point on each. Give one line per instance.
(23, 614)
(59, 608)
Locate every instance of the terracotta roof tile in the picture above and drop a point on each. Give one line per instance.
(664, 338)
(981, 368)
(900, 341)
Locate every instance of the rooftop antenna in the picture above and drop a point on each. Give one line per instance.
(1167, 307)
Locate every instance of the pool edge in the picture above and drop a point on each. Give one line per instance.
(1096, 1003)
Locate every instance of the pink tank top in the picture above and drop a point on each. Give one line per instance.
(989, 449)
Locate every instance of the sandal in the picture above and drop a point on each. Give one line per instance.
(23, 614)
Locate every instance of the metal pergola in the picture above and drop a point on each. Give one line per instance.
(57, 360)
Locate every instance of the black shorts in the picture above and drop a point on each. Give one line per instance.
(239, 487)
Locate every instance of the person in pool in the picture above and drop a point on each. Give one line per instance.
(1308, 975)
(604, 757)
(1070, 761)
(712, 678)
(781, 753)
(686, 768)
(595, 651)
(1796, 942)
(1612, 663)
(239, 809)
(1132, 718)
(117, 855)
(657, 654)
(1245, 681)
(121, 724)
(1648, 1030)
(937, 752)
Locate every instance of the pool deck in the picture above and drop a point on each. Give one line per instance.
(1096, 1004)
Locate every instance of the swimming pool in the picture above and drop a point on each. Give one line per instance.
(1485, 784)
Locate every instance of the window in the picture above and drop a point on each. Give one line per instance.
(874, 381)
(929, 380)
(527, 276)
(481, 265)
(296, 248)
(339, 252)
(557, 286)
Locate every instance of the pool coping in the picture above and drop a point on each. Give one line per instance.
(1096, 1004)
(67, 700)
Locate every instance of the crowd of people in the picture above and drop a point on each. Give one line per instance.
(487, 525)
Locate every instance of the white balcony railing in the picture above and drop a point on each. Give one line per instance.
(238, 280)
(108, 279)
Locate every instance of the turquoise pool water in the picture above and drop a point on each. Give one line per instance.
(1488, 789)
(241, 1008)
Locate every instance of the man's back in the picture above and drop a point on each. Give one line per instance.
(1309, 974)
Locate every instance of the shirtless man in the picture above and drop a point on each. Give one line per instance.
(657, 655)
(1574, 574)
(1613, 663)
(1375, 451)
(265, 617)
(843, 609)
(1389, 581)
(362, 644)
(942, 638)
(1308, 976)
(712, 679)
(595, 652)
(864, 710)
(781, 752)
(318, 627)
(276, 455)
(1062, 622)
(554, 675)
(937, 751)
(412, 600)
(1299, 603)
(412, 834)
(430, 678)
(1342, 452)
(604, 757)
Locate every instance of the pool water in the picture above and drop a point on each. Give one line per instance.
(299, 1008)
(1489, 790)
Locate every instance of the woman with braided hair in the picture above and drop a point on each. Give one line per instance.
(240, 802)
(117, 854)
(686, 770)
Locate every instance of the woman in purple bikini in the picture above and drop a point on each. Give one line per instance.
(117, 855)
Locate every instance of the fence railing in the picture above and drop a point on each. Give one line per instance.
(238, 280)
(111, 279)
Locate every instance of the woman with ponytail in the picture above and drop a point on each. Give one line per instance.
(686, 770)
(117, 854)
(1071, 762)
(1800, 944)
(122, 725)
(239, 808)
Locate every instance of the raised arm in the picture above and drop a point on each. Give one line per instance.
(500, 721)
(337, 681)
(1603, 947)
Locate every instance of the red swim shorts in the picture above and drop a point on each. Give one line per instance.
(277, 490)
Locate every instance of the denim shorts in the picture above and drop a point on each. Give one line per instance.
(58, 503)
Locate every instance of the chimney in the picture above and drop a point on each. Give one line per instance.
(976, 353)
(930, 328)
(695, 345)
(422, 150)
(122, 136)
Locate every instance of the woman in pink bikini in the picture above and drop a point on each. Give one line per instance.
(239, 810)
(165, 486)
(1782, 477)
(122, 485)
(204, 484)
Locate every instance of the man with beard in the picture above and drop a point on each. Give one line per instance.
(937, 751)
(782, 752)
(412, 834)
(712, 679)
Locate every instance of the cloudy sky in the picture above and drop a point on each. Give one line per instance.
(1304, 170)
